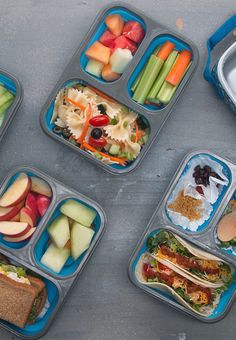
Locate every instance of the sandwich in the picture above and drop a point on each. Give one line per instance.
(22, 296)
(172, 250)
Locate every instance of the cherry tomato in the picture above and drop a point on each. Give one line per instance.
(97, 143)
(100, 120)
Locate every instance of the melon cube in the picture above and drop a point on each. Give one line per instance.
(94, 67)
(78, 212)
(59, 231)
(120, 59)
(80, 239)
(99, 52)
(115, 24)
(55, 258)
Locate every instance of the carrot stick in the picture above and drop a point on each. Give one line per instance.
(82, 107)
(178, 69)
(165, 50)
(136, 133)
(92, 149)
(86, 126)
(101, 94)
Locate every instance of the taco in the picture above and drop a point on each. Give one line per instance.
(189, 292)
(205, 267)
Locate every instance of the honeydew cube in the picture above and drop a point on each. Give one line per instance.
(55, 258)
(120, 59)
(94, 67)
(59, 231)
(78, 212)
(80, 239)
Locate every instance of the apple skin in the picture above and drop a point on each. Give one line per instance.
(40, 186)
(23, 228)
(16, 218)
(11, 202)
(43, 203)
(31, 202)
(8, 213)
(28, 216)
(25, 237)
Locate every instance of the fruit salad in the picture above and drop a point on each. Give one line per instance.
(197, 192)
(22, 206)
(6, 100)
(96, 123)
(113, 52)
(70, 235)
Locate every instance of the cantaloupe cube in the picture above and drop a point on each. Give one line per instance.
(115, 24)
(108, 74)
(99, 52)
(120, 59)
(94, 67)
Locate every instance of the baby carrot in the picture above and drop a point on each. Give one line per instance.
(82, 107)
(92, 149)
(166, 50)
(178, 69)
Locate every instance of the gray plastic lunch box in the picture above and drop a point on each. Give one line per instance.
(120, 90)
(28, 253)
(223, 74)
(205, 237)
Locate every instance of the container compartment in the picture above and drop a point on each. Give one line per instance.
(127, 15)
(201, 209)
(111, 159)
(38, 328)
(228, 246)
(71, 266)
(180, 45)
(32, 209)
(219, 312)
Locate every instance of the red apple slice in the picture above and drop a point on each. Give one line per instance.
(25, 237)
(43, 203)
(28, 216)
(6, 214)
(14, 229)
(16, 218)
(31, 202)
(41, 187)
(16, 192)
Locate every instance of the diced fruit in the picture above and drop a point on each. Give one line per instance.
(115, 24)
(6, 214)
(120, 59)
(16, 218)
(78, 212)
(123, 42)
(80, 239)
(16, 192)
(114, 149)
(40, 186)
(31, 202)
(28, 216)
(107, 38)
(25, 237)
(59, 231)
(43, 203)
(134, 31)
(99, 52)
(14, 229)
(55, 258)
(94, 67)
(108, 74)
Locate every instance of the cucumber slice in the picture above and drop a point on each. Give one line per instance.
(114, 149)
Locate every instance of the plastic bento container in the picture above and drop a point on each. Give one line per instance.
(29, 253)
(119, 90)
(14, 86)
(204, 238)
(223, 74)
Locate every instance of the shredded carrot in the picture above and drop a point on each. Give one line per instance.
(115, 159)
(81, 106)
(86, 126)
(136, 133)
(101, 94)
(165, 50)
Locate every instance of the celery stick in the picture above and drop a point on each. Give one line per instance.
(151, 71)
(162, 75)
(5, 97)
(153, 101)
(137, 80)
(2, 90)
(167, 90)
(6, 105)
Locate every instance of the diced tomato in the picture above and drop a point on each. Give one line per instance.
(162, 266)
(124, 43)
(97, 143)
(107, 38)
(134, 31)
(148, 271)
